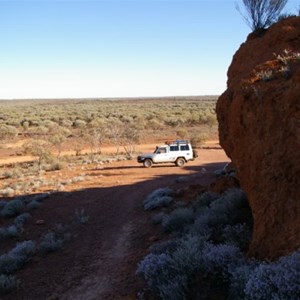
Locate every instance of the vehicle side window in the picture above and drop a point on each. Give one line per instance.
(161, 150)
(174, 148)
(184, 148)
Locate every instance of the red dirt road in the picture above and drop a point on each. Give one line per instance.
(100, 260)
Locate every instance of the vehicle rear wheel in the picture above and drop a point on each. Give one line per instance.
(148, 163)
(180, 162)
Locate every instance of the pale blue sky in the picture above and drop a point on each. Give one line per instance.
(62, 49)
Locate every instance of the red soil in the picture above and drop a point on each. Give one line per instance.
(100, 260)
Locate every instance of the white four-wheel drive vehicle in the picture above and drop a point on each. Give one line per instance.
(178, 152)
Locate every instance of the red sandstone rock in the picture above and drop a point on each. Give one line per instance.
(259, 128)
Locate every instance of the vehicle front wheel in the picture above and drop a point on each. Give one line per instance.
(180, 162)
(148, 163)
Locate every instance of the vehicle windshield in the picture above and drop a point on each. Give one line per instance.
(160, 150)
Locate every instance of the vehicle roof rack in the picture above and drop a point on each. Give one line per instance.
(177, 142)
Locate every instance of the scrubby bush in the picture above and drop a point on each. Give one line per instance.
(53, 165)
(182, 133)
(213, 280)
(12, 208)
(17, 257)
(81, 216)
(219, 259)
(49, 242)
(21, 220)
(200, 256)
(238, 278)
(7, 192)
(158, 198)
(205, 259)
(40, 149)
(238, 234)
(7, 132)
(157, 219)
(229, 209)
(170, 274)
(261, 14)
(205, 199)
(12, 173)
(40, 197)
(8, 284)
(199, 139)
(152, 268)
(33, 205)
(2, 203)
(9, 232)
(79, 123)
(164, 246)
(177, 219)
(25, 248)
(278, 280)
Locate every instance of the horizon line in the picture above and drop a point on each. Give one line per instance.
(109, 98)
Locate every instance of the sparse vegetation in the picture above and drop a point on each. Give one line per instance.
(47, 129)
(108, 122)
(266, 75)
(283, 66)
(198, 260)
(81, 216)
(46, 133)
(261, 14)
(158, 198)
(17, 257)
(177, 219)
(205, 257)
(8, 284)
(13, 208)
(49, 242)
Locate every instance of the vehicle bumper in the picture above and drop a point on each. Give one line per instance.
(140, 159)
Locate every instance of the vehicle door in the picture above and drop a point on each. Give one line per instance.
(161, 155)
(186, 152)
(174, 151)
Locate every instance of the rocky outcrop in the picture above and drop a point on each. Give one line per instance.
(259, 128)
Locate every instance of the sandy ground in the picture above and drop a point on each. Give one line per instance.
(100, 260)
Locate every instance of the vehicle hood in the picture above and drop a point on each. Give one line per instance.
(146, 155)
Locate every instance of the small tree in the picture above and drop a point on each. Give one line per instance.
(95, 137)
(114, 133)
(130, 136)
(39, 149)
(182, 133)
(57, 138)
(7, 132)
(260, 14)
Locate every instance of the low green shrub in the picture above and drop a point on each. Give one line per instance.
(12, 208)
(158, 198)
(205, 199)
(11, 231)
(49, 242)
(178, 219)
(34, 204)
(20, 220)
(8, 284)
(169, 274)
(81, 216)
(17, 257)
(277, 280)
(197, 263)
(157, 219)
(205, 259)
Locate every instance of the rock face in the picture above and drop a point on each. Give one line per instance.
(259, 128)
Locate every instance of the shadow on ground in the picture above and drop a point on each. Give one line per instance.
(100, 259)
